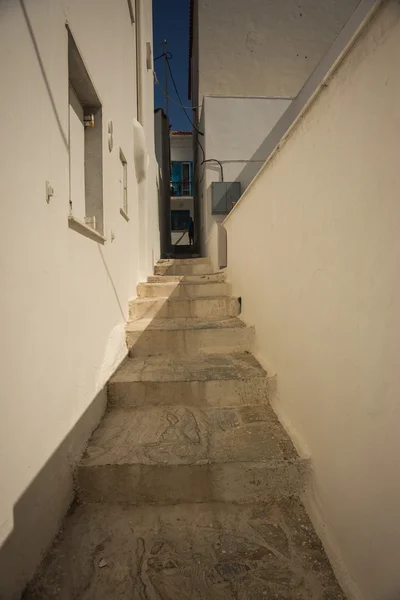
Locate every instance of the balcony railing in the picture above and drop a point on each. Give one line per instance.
(182, 188)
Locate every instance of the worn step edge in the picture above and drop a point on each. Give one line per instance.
(202, 269)
(189, 341)
(212, 393)
(211, 277)
(185, 261)
(237, 482)
(214, 306)
(161, 301)
(185, 324)
(183, 290)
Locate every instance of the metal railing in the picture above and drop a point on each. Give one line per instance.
(182, 188)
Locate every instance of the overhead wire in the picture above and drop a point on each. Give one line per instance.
(169, 57)
(167, 54)
(211, 160)
(180, 100)
(158, 84)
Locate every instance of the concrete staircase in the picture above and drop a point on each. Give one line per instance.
(189, 489)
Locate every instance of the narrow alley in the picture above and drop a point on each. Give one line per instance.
(189, 487)
(200, 294)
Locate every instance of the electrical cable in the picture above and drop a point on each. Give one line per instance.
(211, 160)
(184, 110)
(180, 100)
(168, 54)
(158, 84)
(202, 149)
(220, 165)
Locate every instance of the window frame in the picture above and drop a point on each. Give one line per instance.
(80, 81)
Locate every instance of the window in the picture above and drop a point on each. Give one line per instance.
(180, 220)
(77, 154)
(181, 183)
(124, 184)
(85, 148)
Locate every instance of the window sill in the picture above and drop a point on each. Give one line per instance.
(81, 227)
(124, 214)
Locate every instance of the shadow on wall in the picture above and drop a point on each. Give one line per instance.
(38, 512)
(250, 169)
(314, 83)
(43, 71)
(111, 282)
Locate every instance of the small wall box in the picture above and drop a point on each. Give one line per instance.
(224, 195)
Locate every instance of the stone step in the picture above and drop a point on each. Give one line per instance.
(146, 337)
(185, 261)
(213, 277)
(177, 289)
(168, 454)
(210, 380)
(183, 269)
(200, 308)
(187, 552)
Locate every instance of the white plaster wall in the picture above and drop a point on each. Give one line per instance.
(314, 252)
(235, 130)
(182, 203)
(178, 238)
(216, 246)
(64, 298)
(149, 237)
(181, 147)
(263, 47)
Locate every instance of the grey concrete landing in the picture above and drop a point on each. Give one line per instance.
(209, 380)
(176, 454)
(187, 552)
(188, 336)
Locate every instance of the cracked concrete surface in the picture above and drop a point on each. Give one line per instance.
(190, 368)
(177, 435)
(189, 488)
(176, 306)
(187, 552)
(211, 380)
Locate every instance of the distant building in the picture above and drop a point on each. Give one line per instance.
(182, 207)
(247, 61)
